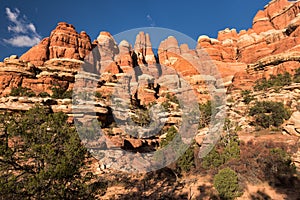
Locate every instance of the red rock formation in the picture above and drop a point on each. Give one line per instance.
(170, 55)
(261, 22)
(277, 15)
(12, 73)
(38, 54)
(275, 31)
(108, 49)
(227, 34)
(124, 58)
(143, 49)
(64, 42)
(244, 81)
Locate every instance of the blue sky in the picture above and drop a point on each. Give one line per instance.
(24, 22)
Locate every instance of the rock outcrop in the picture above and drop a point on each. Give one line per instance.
(277, 15)
(143, 49)
(234, 59)
(230, 63)
(292, 126)
(64, 42)
(275, 34)
(124, 58)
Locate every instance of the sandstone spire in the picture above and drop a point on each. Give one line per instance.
(143, 49)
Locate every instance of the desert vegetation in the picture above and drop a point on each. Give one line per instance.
(269, 113)
(41, 157)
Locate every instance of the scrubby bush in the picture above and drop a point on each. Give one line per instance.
(213, 159)
(98, 95)
(265, 161)
(231, 126)
(171, 133)
(169, 98)
(296, 77)
(206, 113)
(227, 149)
(141, 117)
(185, 161)
(91, 131)
(226, 183)
(261, 84)
(278, 166)
(279, 80)
(61, 93)
(247, 97)
(22, 91)
(172, 98)
(44, 94)
(268, 113)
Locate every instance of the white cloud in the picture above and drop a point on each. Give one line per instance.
(152, 22)
(11, 15)
(31, 27)
(23, 32)
(22, 41)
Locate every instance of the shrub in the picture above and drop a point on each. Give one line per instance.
(91, 131)
(166, 105)
(172, 98)
(296, 77)
(206, 112)
(231, 147)
(41, 157)
(247, 97)
(22, 91)
(67, 94)
(141, 117)
(268, 113)
(212, 160)
(261, 84)
(61, 93)
(98, 95)
(228, 148)
(226, 183)
(279, 80)
(265, 161)
(277, 166)
(169, 98)
(171, 133)
(186, 161)
(44, 94)
(231, 127)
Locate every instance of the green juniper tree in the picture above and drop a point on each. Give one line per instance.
(226, 183)
(41, 157)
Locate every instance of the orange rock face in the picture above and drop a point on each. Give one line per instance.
(143, 49)
(277, 15)
(64, 42)
(275, 31)
(124, 58)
